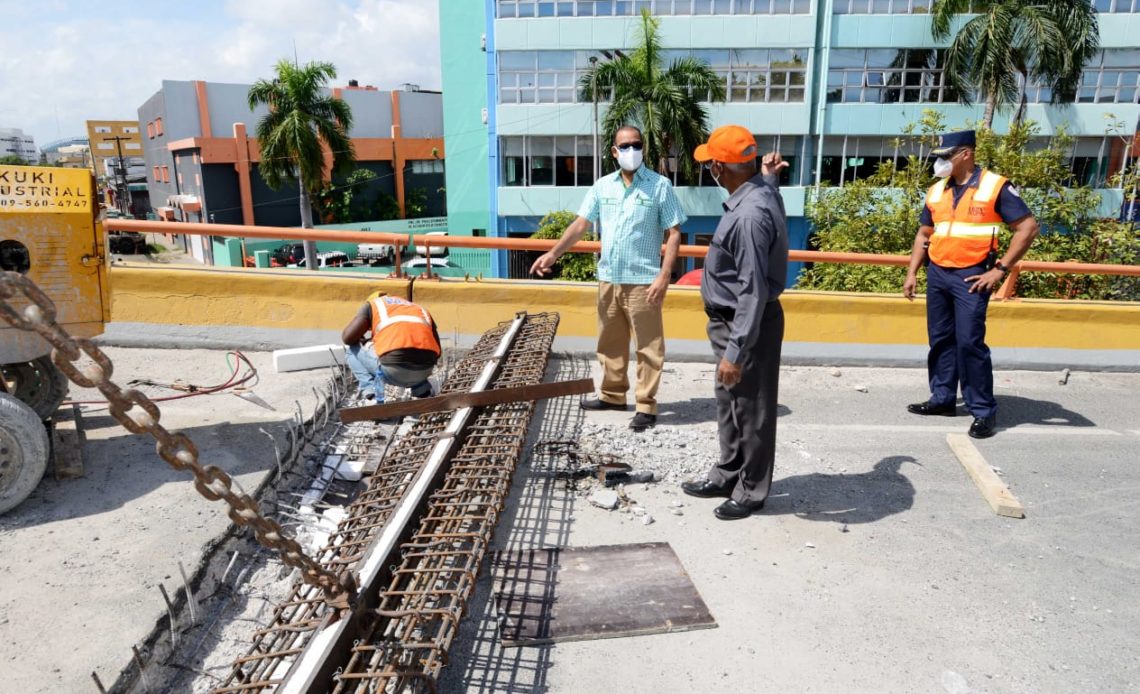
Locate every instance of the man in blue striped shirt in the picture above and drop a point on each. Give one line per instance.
(637, 210)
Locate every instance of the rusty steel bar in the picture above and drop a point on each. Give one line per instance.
(406, 646)
(310, 672)
(275, 648)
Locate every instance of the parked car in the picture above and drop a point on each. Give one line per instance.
(290, 254)
(126, 242)
(376, 253)
(422, 262)
(436, 251)
(330, 259)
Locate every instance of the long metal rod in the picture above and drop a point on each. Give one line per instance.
(308, 673)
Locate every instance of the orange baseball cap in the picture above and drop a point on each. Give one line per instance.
(730, 144)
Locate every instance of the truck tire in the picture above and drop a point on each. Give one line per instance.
(39, 383)
(23, 451)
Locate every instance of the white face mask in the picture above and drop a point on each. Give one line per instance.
(943, 167)
(629, 159)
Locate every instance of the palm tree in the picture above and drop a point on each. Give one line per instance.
(1011, 43)
(302, 118)
(665, 102)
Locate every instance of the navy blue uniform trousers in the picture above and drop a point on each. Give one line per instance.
(956, 326)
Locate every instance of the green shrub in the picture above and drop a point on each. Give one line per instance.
(880, 214)
(579, 267)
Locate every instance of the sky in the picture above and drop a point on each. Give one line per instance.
(63, 62)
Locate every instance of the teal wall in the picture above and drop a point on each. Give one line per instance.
(465, 130)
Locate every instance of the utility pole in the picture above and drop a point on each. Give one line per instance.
(121, 174)
(594, 88)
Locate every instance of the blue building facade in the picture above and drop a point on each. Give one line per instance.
(830, 84)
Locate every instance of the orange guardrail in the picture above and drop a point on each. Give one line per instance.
(428, 241)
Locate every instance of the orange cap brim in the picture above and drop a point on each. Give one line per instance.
(701, 153)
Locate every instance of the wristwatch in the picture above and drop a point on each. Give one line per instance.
(999, 265)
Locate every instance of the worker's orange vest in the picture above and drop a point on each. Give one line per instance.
(400, 324)
(963, 235)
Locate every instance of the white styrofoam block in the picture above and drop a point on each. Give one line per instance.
(303, 358)
(350, 470)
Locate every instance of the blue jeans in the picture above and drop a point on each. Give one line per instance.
(956, 326)
(371, 375)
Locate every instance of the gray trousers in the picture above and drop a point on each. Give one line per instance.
(746, 412)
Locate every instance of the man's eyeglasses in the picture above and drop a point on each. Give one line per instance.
(626, 146)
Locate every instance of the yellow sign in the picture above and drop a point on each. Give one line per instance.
(44, 189)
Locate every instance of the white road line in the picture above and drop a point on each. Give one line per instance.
(930, 428)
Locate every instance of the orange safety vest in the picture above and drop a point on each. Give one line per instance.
(400, 324)
(963, 235)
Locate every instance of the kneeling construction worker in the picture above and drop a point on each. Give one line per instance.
(403, 351)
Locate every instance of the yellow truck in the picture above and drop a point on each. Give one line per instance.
(49, 231)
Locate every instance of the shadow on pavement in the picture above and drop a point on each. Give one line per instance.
(1014, 410)
(698, 410)
(845, 497)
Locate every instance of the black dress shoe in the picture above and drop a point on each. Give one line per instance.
(929, 408)
(983, 427)
(705, 489)
(734, 510)
(598, 404)
(642, 421)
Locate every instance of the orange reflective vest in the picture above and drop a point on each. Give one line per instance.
(963, 235)
(400, 324)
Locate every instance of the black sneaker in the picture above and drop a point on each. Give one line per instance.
(598, 404)
(642, 421)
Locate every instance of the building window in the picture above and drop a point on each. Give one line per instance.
(157, 127)
(888, 76)
(751, 75)
(427, 166)
(150, 130)
(1118, 6)
(1112, 77)
(525, 9)
(102, 129)
(131, 129)
(563, 160)
(542, 77)
(104, 145)
(166, 174)
(132, 145)
(157, 174)
(882, 6)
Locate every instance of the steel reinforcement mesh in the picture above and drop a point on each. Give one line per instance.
(405, 641)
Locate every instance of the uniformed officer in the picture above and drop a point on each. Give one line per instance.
(958, 232)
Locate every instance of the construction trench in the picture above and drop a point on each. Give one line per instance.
(413, 535)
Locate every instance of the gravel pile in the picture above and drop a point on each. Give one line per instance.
(673, 454)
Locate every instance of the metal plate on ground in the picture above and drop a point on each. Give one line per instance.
(583, 593)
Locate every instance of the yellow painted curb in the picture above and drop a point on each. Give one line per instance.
(299, 299)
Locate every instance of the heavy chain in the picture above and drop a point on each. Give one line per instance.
(140, 415)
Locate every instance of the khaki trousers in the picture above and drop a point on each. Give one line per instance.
(622, 312)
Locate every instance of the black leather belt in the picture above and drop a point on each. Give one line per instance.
(725, 314)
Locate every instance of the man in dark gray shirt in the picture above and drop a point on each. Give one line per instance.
(744, 274)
